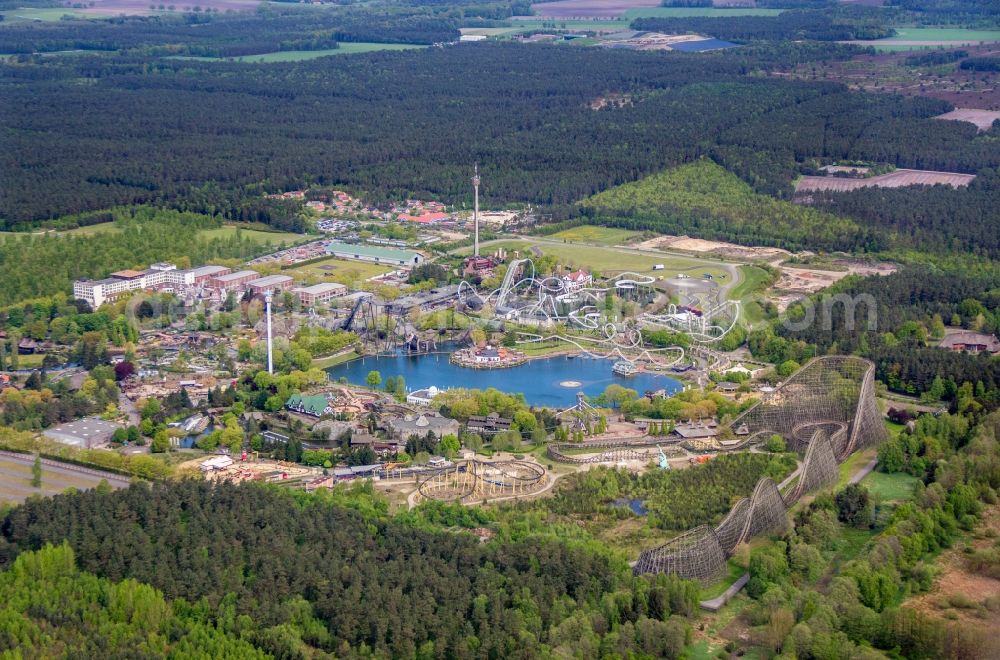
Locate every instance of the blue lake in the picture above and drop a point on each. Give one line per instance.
(539, 380)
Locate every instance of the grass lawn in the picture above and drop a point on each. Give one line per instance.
(327, 362)
(855, 462)
(346, 48)
(682, 12)
(896, 487)
(93, 230)
(752, 285)
(716, 589)
(594, 234)
(257, 236)
(614, 260)
(336, 270)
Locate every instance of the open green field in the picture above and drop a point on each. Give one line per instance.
(613, 260)
(896, 487)
(336, 270)
(594, 234)
(926, 38)
(684, 12)
(23, 14)
(943, 34)
(94, 230)
(346, 48)
(255, 235)
(754, 280)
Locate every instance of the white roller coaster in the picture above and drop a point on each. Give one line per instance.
(549, 299)
(702, 326)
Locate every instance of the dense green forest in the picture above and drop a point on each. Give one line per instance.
(288, 572)
(411, 124)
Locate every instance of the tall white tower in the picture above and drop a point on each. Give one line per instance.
(475, 212)
(270, 344)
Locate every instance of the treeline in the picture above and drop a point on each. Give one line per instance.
(230, 35)
(837, 25)
(353, 584)
(981, 64)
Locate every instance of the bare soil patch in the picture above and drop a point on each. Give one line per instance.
(983, 119)
(721, 248)
(956, 584)
(898, 179)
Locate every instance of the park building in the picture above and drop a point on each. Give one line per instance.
(319, 294)
(271, 283)
(157, 276)
(237, 281)
(374, 254)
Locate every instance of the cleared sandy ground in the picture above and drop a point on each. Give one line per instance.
(897, 179)
(983, 119)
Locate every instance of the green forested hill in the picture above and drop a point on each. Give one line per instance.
(703, 199)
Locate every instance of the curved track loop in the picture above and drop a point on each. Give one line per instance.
(696, 555)
(549, 299)
(702, 328)
(476, 480)
(828, 409)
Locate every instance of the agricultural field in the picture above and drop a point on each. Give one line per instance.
(38, 14)
(346, 48)
(589, 8)
(712, 12)
(15, 479)
(336, 270)
(898, 179)
(915, 38)
(595, 234)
